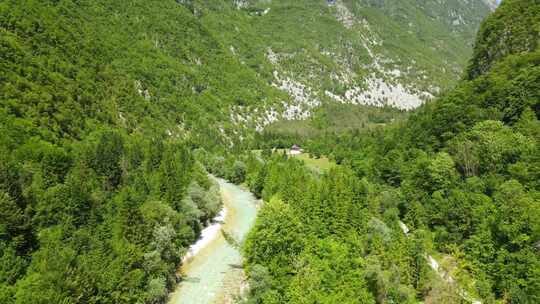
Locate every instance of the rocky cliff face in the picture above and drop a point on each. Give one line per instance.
(380, 53)
(214, 68)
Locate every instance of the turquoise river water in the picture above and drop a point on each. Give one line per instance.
(214, 274)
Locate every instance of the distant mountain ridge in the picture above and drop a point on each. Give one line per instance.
(382, 53)
(235, 65)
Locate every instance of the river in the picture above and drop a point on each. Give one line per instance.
(212, 273)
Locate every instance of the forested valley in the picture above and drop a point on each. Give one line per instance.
(462, 173)
(107, 147)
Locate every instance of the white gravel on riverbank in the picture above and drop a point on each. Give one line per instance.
(207, 235)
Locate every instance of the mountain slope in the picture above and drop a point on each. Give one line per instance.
(229, 65)
(501, 35)
(364, 52)
(137, 66)
(466, 167)
(100, 192)
(104, 106)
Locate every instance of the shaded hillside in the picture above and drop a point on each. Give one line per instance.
(514, 29)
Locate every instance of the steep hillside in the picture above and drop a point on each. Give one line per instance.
(501, 35)
(105, 105)
(228, 65)
(396, 53)
(100, 192)
(144, 66)
(466, 168)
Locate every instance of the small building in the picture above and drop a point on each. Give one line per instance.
(295, 150)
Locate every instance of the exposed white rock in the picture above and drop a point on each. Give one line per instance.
(304, 100)
(239, 4)
(344, 15)
(380, 93)
(272, 57)
(142, 91)
(433, 264)
(457, 18)
(383, 87)
(404, 228)
(269, 116)
(395, 73)
(335, 97)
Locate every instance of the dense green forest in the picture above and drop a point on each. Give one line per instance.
(100, 191)
(462, 173)
(112, 114)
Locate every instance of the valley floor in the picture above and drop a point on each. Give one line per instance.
(212, 272)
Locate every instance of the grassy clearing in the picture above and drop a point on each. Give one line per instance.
(317, 164)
